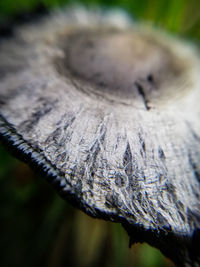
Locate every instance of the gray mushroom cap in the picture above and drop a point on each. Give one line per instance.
(110, 113)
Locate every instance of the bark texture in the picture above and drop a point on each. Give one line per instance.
(109, 112)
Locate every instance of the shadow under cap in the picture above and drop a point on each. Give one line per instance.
(110, 115)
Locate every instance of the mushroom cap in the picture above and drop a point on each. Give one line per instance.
(109, 111)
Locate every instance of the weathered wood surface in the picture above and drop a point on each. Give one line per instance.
(110, 114)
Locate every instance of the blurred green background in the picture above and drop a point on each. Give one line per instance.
(179, 16)
(37, 228)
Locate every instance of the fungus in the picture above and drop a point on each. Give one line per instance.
(109, 112)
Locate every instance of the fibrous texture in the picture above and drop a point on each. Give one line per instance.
(110, 113)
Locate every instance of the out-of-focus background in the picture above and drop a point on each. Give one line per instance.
(38, 228)
(178, 16)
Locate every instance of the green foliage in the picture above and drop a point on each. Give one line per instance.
(36, 223)
(38, 228)
(178, 16)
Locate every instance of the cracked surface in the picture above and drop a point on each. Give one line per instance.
(125, 154)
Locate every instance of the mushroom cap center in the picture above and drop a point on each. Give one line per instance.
(120, 64)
